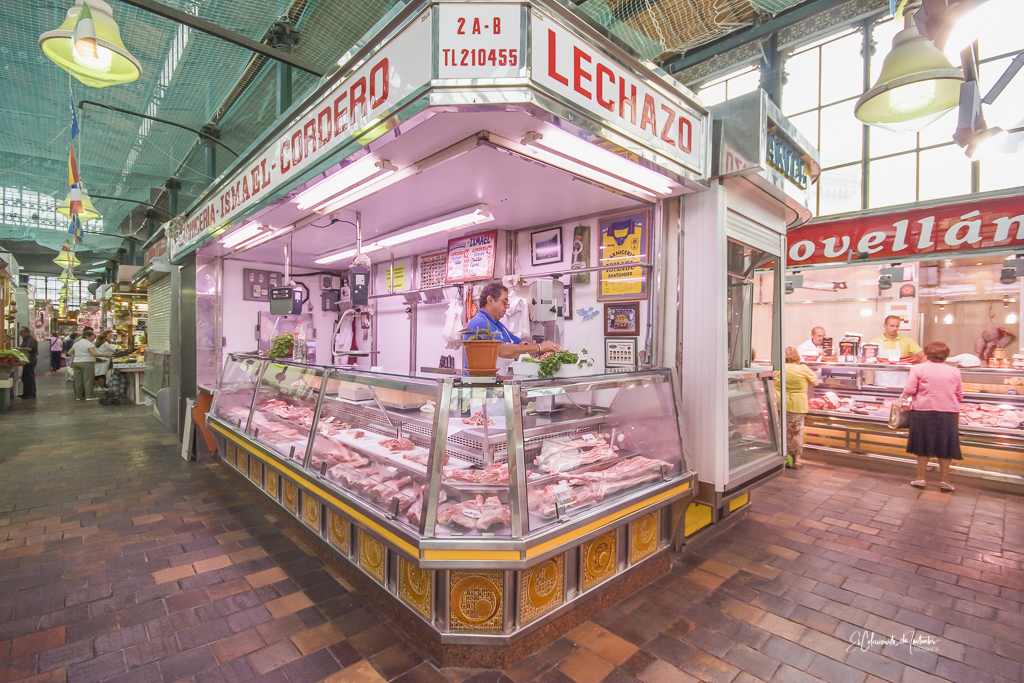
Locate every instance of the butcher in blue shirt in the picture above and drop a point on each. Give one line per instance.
(491, 309)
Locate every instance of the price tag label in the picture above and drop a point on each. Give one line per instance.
(479, 40)
(589, 439)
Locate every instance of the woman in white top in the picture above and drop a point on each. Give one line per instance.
(104, 345)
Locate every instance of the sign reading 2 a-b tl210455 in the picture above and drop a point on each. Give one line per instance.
(479, 40)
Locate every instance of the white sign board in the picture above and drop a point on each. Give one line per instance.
(385, 78)
(904, 310)
(577, 71)
(479, 40)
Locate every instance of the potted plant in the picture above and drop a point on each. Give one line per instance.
(481, 349)
(281, 346)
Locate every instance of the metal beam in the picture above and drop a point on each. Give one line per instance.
(779, 21)
(224, 34)
(200, 133)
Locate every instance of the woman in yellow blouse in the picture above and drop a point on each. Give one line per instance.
(799, 378)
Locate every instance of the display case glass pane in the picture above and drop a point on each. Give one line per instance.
(592, 442)
(373, 440)
(238, 385)
(474, 496)
(742, 260)
(285, 403)
(752, 431)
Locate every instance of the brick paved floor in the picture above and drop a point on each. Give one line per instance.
(121, 562)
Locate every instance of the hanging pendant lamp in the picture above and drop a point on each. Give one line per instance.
(89, 211)
(66, 259)
(917, 84)
(88, 46)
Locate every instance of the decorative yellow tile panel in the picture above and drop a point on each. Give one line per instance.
(541, 589)
(231, 454)
(256, 471)
(643, 537)
(372, 556)
(337, 531)
(311, 511)
(476, 601)
(270, 483)
(416, 587)
(291, 497)
(599, 559)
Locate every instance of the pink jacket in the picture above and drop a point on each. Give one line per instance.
(935, 386)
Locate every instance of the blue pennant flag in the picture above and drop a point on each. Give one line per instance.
(74, 116)
(75, 229)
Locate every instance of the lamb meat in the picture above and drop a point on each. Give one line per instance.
(397, 444)
(565, 461)
(627, 469)
(495, 474)
(421, 457)
(477, 513)
(577, 498)
(603, 488)
(478, 420)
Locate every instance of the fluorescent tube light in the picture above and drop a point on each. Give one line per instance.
(465, 218)
(474, 215)
(576, 149)
(246, 232)
(342, 255)
(364, 190)
(347, 178)
(264, 237)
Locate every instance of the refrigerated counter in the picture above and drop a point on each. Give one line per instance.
(484, 508)
(991, 417)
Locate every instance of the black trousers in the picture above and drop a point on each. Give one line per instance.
(55, 357)
(28, 379)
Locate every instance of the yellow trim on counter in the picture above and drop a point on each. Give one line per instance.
(480, 555)
(604, 521)
(352, 512)
(739, 502)
(697, 517)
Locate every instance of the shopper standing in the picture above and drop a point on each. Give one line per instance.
(104, 345)
(68, 343)
(83, 364)
(799, 378)
(56, 351)
(30, 347)
(937, 389)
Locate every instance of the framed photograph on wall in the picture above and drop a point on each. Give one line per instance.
(619, 354)
(622, 320)
(546, 246)
(622, 240)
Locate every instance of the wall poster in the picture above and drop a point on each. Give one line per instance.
(623, 239)
(472, 257)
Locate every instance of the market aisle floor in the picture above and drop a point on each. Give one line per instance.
(121, 562)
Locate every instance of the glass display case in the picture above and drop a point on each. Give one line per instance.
(232, 403)
(537, 491)
(753, 413)
(577, 444)
(849, 413)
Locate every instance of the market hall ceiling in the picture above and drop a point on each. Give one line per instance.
(195, 79)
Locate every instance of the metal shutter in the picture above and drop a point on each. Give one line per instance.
(160, 315)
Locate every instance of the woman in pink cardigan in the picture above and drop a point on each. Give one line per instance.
(935, 413)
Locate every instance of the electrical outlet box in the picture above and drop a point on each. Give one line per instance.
(329, 299)
(330, 282)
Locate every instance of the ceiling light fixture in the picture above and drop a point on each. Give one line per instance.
(569, 146)
(968, 20)
(246, 232)
(464, 218)
(88, 46)
(353, 175)
(917, 84)
(89, 211)
(265, 236)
